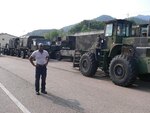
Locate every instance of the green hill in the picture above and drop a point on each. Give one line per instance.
(39, 32)
(138, 20)
(90, 25)
(104, 18)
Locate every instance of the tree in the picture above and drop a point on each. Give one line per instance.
(87, 25)
(52, 34)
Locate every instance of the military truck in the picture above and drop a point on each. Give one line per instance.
(78, 42)
(54, 51)
(30, 43)
(122, 56)
(4, 50)
(141, 30)
(84, 42)
(11, 48)
(67, 48)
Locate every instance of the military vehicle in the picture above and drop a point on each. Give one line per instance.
(67, 48)
(120, 54)
(30, 43)
(141, 30)
(4, 50)
(54, 50)
(82, 42)
(12, 47)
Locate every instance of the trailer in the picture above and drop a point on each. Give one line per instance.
(74, 44)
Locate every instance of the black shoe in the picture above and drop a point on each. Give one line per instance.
(44, 92)
(37, 93)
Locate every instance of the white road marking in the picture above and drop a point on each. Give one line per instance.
(22, 107)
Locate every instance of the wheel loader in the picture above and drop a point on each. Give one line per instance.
(119, 54)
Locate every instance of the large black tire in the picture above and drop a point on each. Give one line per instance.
(11, 52)
(122, 70)
(88, 64)
(18, 53)
(58, 56)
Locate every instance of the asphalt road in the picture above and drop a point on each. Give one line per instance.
(68, 91)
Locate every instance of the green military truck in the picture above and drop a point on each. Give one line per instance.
(25, 45)
(141, 30)
(12, 47)
(30, 43)
(67, 48)
(120, 54)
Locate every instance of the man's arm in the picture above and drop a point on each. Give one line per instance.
(31, 61)
(47, 60)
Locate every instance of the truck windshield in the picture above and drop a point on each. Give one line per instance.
(144, 31)
(109, 30)
(123, 30)
(44, 42)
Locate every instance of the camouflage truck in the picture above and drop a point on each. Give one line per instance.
(5, 49)
(55, 47)
(67, 48)
(81, 42)
(141, 30)
(85, 42)
(11, 48)
(54, 51)
(30, 43)
(120, 54)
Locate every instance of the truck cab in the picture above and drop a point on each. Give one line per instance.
(28, 44)
(116, 30)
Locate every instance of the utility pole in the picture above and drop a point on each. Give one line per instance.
(127, 16)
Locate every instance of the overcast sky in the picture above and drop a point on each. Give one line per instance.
(17, 17)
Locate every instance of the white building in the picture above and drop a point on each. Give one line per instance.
(4, 39)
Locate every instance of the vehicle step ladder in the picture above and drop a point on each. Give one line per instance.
(102, 59)
(76, 58)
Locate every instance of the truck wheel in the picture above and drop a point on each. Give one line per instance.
(145, 77)
(58, 56)
(11, 53)
(3, 52)
(122, 70)
(23, 54)
(88, 64)
(18, 53)
(71, 59)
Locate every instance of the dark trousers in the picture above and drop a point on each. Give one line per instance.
(41, 71)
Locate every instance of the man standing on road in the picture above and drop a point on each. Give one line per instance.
(41, 58)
